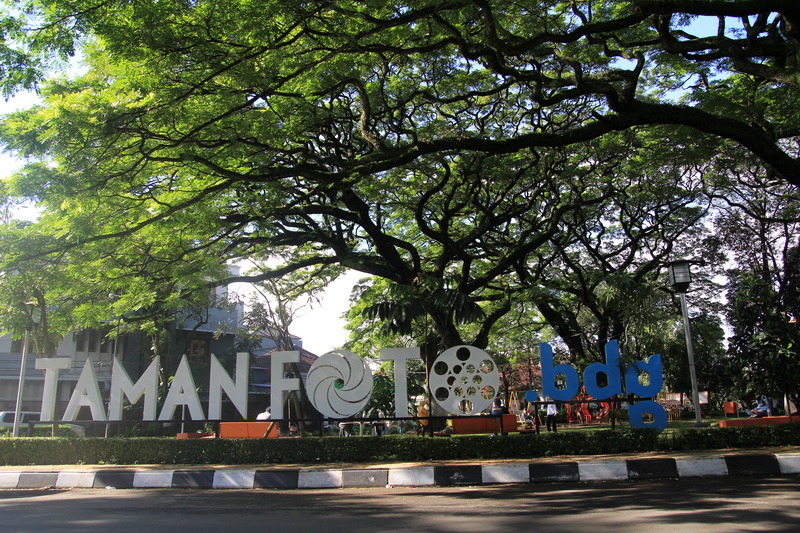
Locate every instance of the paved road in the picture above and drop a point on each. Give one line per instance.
(707, 504)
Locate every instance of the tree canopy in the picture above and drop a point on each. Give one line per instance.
(360, 88)
(476, 153)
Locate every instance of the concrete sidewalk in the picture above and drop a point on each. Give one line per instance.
(783, 461)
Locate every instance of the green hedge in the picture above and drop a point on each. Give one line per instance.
(310, 450)
(40, 431)
(741, 437)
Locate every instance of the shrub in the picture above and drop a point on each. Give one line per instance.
(40, 431)
(399, 448)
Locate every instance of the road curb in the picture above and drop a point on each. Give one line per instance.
(409, 476)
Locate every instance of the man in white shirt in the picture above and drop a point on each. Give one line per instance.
(552, 411)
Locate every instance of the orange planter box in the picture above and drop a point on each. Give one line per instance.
(484, 424)
(195, 436)
(764, 421)
(248, 430)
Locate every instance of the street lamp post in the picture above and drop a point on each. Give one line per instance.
(34, 317)
(680, 276)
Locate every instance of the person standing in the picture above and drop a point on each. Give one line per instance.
(422, 418)
(552, 411)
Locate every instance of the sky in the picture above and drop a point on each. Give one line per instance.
(321, 326)
(8, 163)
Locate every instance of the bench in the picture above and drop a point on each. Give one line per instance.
(484, 424)
(763, 421)
(248, 430)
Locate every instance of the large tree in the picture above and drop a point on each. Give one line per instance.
(764, 349)
(605, 273)
(335, 133)
(365, 86)
(759, 227)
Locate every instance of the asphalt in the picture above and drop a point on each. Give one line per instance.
(755, 462)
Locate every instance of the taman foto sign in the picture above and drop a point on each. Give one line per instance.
(463, 379)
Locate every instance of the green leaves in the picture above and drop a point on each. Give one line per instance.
(472, 154)
(765, 342)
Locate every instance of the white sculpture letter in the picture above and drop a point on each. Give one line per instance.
(182, 392)
(339, 384)
(464, 380)
(87, 392)
(280, 384)
(400, 356)
(122, 387)
(51, 368)
(220, 380)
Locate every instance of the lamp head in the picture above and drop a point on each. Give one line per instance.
(680, 275)
(34, 311)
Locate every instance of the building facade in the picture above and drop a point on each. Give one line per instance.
(197, 337)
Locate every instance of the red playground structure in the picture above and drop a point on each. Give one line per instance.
(585, 409)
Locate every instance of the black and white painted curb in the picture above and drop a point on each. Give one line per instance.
(416, 476)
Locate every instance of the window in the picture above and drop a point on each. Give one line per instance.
(80, 341)
(92, 347)
(197, 351)
(93, 341)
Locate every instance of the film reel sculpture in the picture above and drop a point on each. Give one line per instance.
(464, 380)
(339, 384)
